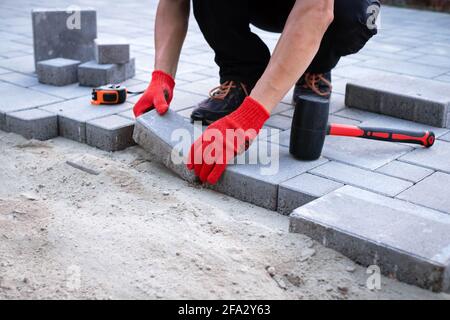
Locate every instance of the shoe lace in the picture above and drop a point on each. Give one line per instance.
(312, 81)
(223, 90)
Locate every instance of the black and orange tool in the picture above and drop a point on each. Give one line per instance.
(423, 138)
(111, 94)
(310, 127)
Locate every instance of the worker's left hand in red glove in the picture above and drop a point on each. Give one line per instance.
(158, 95)
(224, 139)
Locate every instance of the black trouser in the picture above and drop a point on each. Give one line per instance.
(243, 56)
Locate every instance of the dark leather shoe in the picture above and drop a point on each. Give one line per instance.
(311, 84)
(222, 101)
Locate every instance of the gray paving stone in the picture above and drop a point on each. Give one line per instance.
(202, 87)
(279, 122)
(405, 68)
(16, 98)
(55, 35)
(73, 115)
(58, 71)
(154, 134)
(405, 171)
(361, 178)
(357, 114)
(129, 114)
(302, 189)
(93, 74)
(419, 100)
(186, 113)
(111, 133)
(247, 182)
(19, 79)
(23, 64)
(66, 92)
(33, 124)
(3, 122)
(433, 60)
(432, 192)
(445, 137)
(406, 241)
(436, 157)
(363, 153)
(111, 52)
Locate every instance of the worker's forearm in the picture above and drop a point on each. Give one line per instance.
(172, 18)
(298, 44)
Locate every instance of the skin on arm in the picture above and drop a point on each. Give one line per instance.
(295, 50)
(172, 19)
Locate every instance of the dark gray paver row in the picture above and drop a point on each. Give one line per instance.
(419, 100)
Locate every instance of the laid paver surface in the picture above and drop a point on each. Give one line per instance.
(411, 43)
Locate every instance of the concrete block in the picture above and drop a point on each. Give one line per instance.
(435, 158)
(111, 52)
(154, 134)
(279, 122)
(361, 178)
(64, 33)
(432, 192)
(249, 182)
(111, 133)
(302, 189)
(15, 98)
(445, 137)
(66, 92)
(33, 124)
(405, 171)
(419, 100)
(93, 74)
(363, 153)
(73, 115)
(3, 122)
(19, 79)
(406, 241)
(58, 72)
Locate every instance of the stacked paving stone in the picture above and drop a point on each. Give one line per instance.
(112, 65)
(62, 39)
(66, 50)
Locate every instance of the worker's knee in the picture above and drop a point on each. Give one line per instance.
(354, 24)
(353, 14)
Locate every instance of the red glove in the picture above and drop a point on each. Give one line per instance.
(224, 139)
(158, 94)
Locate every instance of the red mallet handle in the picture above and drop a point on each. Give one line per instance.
(424, 138)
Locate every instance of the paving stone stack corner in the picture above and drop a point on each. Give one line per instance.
(404, 240)
(419, 100)
(58, 71)
(64, 33)
(112, 64)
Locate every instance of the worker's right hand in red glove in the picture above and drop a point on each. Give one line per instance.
(224, 139)
(158, 95)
